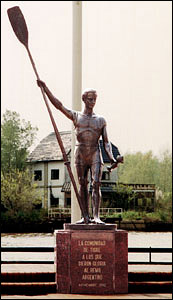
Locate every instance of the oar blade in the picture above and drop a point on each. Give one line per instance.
(18, 24)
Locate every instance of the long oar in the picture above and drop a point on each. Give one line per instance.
(20, 29)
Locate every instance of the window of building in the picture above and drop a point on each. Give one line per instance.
(68, 202)
(54, 202)
(37, 175)
(105, 175)
(54, 174)
(140, 201)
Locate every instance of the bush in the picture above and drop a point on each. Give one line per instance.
(131, 215)
(23, 220)
(164, 207)
(157, 216)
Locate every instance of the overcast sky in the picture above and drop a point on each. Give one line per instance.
(126, 58)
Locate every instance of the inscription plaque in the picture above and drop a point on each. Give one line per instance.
(92, 262)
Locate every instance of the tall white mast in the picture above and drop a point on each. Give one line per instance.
(76, 93)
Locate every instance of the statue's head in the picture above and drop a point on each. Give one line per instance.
(88, 90)
(89, 97)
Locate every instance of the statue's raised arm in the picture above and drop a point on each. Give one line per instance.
(67, 112)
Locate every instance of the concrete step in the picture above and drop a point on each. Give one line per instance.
(40, 288)
(149, 276)
(150, 287)
(50, 276)
(27, 288)
(28, 277)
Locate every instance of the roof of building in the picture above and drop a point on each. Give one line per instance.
(48, 149)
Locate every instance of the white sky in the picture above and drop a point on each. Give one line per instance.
(127, 56)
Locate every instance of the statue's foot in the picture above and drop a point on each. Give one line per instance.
(97, 221)
(81, 221)
(87, 220)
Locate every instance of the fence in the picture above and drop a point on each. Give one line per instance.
(61, 212)
(149, 250)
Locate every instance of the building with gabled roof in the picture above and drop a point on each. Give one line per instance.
(50, 173)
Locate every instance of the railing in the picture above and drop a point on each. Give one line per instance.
(110, 211)
(61, 212)
(51, 249)
(149, 251)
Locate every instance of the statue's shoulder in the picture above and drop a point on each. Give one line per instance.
(77, 115)
(101, 119)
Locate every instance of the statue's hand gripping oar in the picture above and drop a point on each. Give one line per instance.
(119, 159)
(20, 29)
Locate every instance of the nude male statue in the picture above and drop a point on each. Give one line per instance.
(89, 127)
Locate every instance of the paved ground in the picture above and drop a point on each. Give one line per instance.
(72, 296)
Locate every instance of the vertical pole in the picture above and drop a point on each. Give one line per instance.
(150, 255)
(76, 93)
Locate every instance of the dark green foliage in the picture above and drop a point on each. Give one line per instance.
(120, 197)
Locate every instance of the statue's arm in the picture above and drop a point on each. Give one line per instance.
(67, 112)
(107, 145)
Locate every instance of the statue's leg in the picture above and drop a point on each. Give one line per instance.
(96, 173)
(82, 172)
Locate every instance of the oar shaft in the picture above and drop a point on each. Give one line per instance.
(49, 110)
(19, 26)
(67, 163)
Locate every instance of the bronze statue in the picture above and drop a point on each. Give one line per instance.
(89, 128)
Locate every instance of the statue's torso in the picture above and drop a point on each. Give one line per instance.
(88, 131)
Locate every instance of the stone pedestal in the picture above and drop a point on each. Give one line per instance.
(91, 259)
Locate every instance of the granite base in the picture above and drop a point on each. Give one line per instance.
(91, 259)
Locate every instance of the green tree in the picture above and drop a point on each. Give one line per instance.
(16, 138)
(146, 168)
(139, 168)
(18, 192)
(164, 180)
